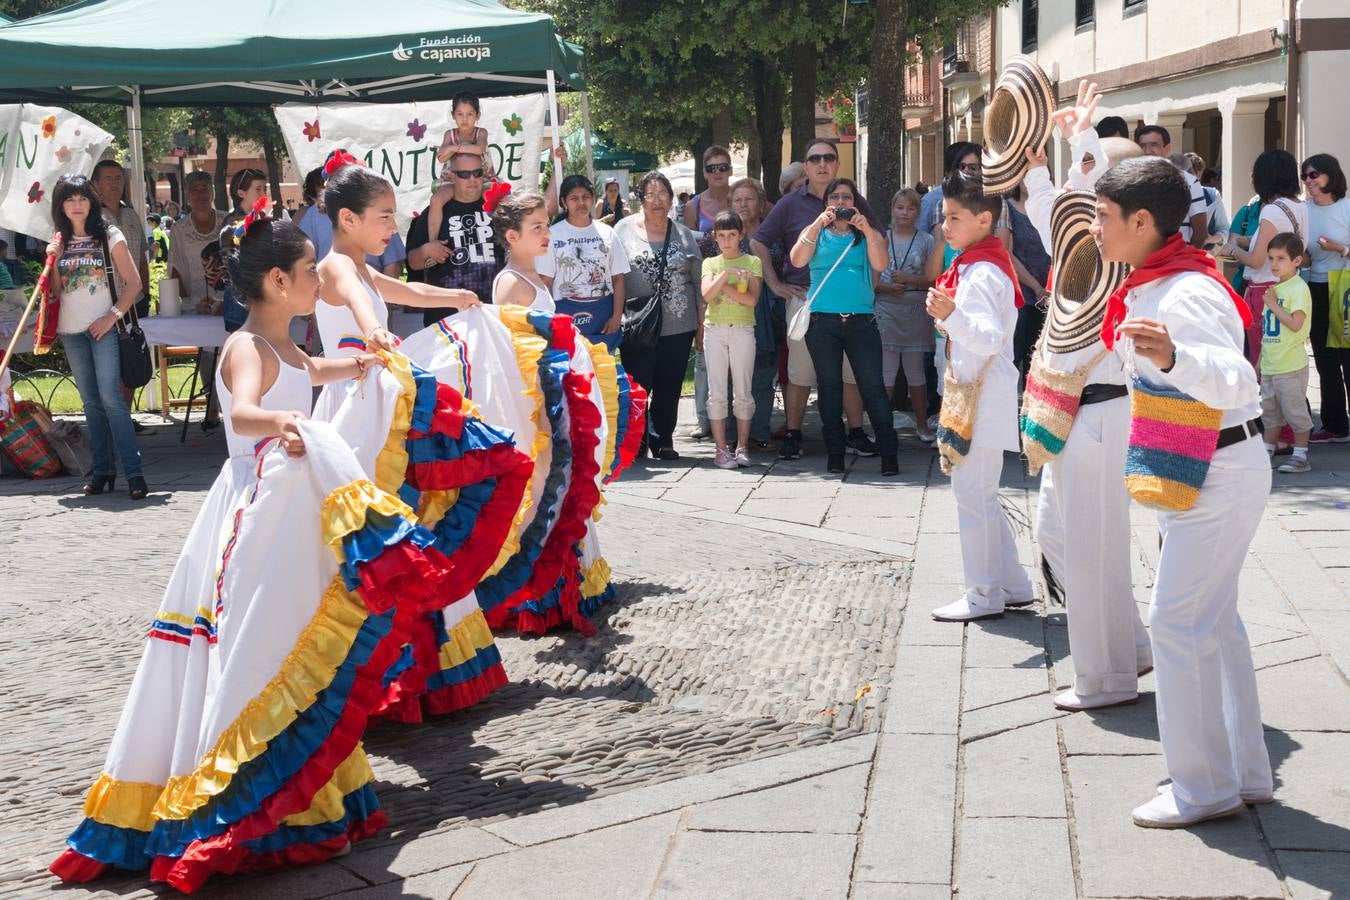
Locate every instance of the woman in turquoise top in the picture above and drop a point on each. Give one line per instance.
(845, 253)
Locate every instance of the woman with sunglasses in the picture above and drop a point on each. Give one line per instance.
(96, 283)
(1329, 247)
(702, 209)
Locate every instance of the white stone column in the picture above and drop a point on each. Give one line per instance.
(1244, 138)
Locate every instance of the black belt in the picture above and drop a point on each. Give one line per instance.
(1100, 393)
(1236, 434)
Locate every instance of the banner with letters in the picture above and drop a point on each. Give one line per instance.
(399, 141)
(39, 144)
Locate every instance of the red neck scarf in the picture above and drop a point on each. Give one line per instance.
(989, 250)
(1173, 258)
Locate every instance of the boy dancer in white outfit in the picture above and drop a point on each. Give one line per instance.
(1180, 326)
(975, 302)
(1083, 510)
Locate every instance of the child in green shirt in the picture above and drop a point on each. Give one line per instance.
(1284, 358)
(730, 290)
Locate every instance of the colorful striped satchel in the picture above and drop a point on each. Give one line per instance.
(1049, 405)
(956, 422)
(1173, 437)
(23, 440)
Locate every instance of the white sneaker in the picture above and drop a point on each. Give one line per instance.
(1295, 465)
(1074, 702)
(723, 459)
(1166, 811)
(1251, 798)
(965, 611)
(742, 458)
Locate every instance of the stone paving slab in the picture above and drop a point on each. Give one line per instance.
(826, 804)
(1315, 876)
(1014, 774)
(747, 866)
(1015, 859)
(1314, 793)
(907, 835)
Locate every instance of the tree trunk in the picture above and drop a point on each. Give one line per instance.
(769, 97)
(802, 59)
(754, 150)
(273, 170)
(885, 97)
(705, 140)
(721, 128)
(223, 198)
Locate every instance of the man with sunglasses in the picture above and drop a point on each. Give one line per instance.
(464, 254)
(789, 217)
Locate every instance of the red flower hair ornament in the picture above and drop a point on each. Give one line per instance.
(336, 160)
(255, 215)
(494, 194)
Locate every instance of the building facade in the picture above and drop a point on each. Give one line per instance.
(1227, 78)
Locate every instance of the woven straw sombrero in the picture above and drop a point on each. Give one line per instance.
(1018, 117)
(1082, 279)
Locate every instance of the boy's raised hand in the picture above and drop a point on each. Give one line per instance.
(1076, 119)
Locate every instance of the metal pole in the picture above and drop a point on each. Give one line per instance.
(586, 134)
(556, 181)
(137, 155)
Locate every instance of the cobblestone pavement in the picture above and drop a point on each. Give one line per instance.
(767, 712)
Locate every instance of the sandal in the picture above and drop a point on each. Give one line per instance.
(137, 488)
(99, 483)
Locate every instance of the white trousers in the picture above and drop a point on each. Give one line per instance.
(729, 346)
(988, 552)
(1209, 716)
(1083, 528)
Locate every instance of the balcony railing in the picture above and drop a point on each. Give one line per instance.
(961, 55)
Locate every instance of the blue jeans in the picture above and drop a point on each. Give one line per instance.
(761, 388)
(97, 368)
(828, 338)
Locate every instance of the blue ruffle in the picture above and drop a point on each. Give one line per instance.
(468, 670)
(459, 520)
(553, 365)
(405, 661)
(378, 534)
(110, 845)
(625, 410)
(589, 605)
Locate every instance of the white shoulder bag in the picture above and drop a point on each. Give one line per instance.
(801, 319)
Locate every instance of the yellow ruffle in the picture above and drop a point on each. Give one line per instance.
(596, 578)
(433, 505)
(607, 373)
(528, 346)
(353, 774)
(122, 804)
(345, 510)
(466, 639)
(308, 669)
(391, 465)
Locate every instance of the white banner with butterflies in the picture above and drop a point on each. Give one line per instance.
(39, 144)
(399, 140)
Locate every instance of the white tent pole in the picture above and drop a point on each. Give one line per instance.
(586, 134)
(134, 139)
(556, 181)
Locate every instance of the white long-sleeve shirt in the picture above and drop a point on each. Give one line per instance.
(982, 326)
(1042, 193)
(1207, 332)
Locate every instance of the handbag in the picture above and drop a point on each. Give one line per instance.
(71, 443)
(1338, 299)
(1049, 405)
(956, 419)
(1173, 437)
(801, 319)
(642, 316)
(133, 352)
(24, 443)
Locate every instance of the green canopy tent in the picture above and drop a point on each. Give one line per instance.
(604, 155)
(260, 52)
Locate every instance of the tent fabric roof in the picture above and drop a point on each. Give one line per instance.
(606, 156)
(256, 52)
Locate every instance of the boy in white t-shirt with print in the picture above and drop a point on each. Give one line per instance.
(1284, 355)
(730, 291)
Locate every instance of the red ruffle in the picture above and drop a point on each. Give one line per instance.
(76, 868)
(564, 334)
(401, 697)
(226, 852)
(558, 558)
(454, 697)
(637, 427)
(417, 576)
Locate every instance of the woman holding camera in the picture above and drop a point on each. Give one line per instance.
(845, 253)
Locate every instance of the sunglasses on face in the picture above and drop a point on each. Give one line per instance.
(717, 167)
(1311, 175)
(466, 174)
(970, 167)
(817, 158)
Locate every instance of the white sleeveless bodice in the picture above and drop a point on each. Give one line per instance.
(543, 297)
(291, 390)
(338, 329)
